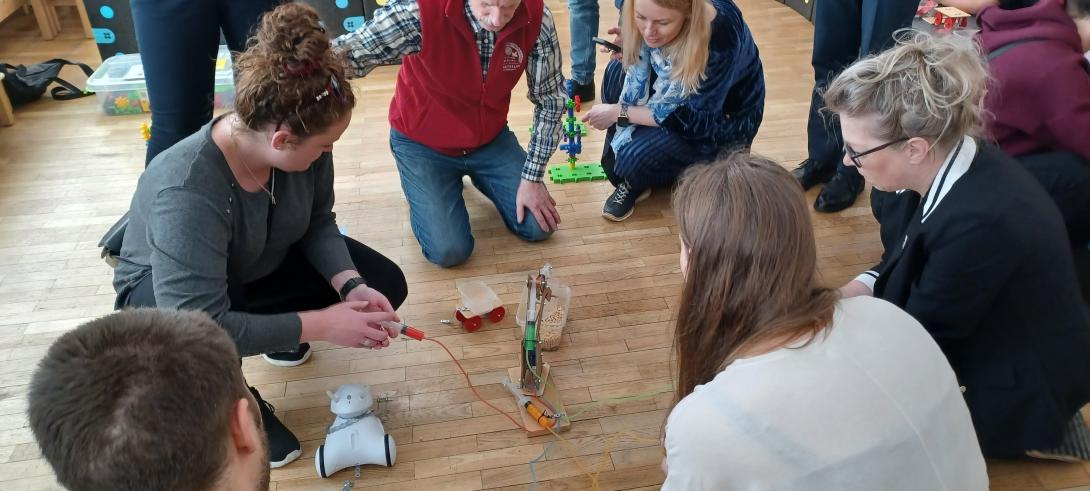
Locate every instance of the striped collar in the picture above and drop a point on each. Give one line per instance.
(957, 164)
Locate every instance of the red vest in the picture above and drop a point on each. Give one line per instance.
(440, 101)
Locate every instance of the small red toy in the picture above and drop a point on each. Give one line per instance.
(950, 17)
(478, 301)
(475, 322)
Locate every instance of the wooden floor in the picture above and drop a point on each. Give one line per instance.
(67, 172)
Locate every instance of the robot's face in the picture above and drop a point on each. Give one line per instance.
(350, 400)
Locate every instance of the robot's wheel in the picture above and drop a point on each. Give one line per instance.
(473, 323)
(497, 314)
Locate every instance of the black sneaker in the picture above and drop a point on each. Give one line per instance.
(810, 173)
(584, 91)
(841, 191)
(622, 202)
(289, 358)
(283, 446)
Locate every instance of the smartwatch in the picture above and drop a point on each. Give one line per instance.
(350, 285)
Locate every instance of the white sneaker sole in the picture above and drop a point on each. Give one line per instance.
(282, 363)
(644, 195)
(287, 459)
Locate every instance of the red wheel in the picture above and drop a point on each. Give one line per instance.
(473, 323)
(497, 314)
(458, 315)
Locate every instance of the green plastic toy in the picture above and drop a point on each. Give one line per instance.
(564, 173)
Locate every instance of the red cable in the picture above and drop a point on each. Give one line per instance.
(478, 394)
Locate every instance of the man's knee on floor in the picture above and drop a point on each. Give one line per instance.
(447, 253)
(530, 231)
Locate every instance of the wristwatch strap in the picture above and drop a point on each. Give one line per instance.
(349, 285)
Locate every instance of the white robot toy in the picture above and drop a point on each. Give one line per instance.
(356, 436)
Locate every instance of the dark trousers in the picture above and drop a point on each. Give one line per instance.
(296, 286)
(845, 30)
(178, 42)
(655, 156)
(1066, 177)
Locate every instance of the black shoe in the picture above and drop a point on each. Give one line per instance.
(810, 173)
(283, 446)
(840, 192)
(622, 202)
(584, 91)
(289, 358)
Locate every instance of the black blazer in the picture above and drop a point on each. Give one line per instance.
(989, 273)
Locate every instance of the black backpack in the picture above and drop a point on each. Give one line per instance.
(27, 83)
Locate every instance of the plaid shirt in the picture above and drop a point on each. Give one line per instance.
(394, 32)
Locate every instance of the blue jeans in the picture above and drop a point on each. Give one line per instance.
(584, 25)
(433, 186)
(178, 42)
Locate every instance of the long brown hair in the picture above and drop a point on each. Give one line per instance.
(752, 269)
(289, 74)
(689, 51)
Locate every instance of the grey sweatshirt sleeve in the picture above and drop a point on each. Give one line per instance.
(190, 239)
(323, 244)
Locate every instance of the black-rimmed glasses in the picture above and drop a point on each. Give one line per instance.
(855, 156)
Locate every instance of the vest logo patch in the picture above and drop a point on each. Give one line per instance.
(512, 57)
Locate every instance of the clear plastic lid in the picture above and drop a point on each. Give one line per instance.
(126, 72)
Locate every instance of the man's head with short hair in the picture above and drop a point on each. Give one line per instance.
(148, 399)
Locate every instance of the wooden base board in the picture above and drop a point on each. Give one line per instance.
(552, 395)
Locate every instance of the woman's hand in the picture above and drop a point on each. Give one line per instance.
(376, 301)
(602, 116)
(348, 324)
(616, 32)
(855, 288)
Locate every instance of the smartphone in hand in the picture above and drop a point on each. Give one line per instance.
(606, 44)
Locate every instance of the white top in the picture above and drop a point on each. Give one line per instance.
(872, 405)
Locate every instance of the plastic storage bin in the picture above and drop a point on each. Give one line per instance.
(119, 84)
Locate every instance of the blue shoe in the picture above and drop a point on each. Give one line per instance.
(622, 202)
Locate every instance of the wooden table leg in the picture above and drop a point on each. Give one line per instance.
(7, 116)
(45, 21)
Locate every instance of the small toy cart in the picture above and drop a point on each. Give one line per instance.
(478, 301)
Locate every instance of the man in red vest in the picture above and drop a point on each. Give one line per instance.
(460, 61)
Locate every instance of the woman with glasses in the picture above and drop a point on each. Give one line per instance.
(975, 249)
(236, 220)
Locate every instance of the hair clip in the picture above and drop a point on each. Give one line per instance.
(334, 86)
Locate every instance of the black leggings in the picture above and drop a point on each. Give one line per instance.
(296, 286)
(178, 43)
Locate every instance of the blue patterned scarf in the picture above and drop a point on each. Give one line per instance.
(669, 93)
